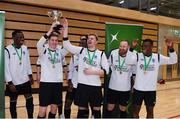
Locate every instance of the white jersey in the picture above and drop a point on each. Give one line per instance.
(99, 62)
(147, 80)
(38, 63)
(50, 72)
(120, 76)
(14, 70)
(73, 70)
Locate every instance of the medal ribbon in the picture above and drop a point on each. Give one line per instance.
(91, 58)
(146, 65)
(53, 58)
(19, 55)
(121, 65)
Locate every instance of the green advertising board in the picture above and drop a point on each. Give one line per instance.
(2, 23)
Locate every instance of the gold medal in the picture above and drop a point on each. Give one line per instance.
(120, 72)
(144, 71)
(53, 66)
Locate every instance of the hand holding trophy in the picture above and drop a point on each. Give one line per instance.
(56, 16)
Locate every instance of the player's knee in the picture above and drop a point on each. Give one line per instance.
(42, 112)
(53, 108)
(110, 107)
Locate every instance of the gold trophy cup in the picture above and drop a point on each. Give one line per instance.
(56, 16)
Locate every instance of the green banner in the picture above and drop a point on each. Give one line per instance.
(114, 34)
(2, 23)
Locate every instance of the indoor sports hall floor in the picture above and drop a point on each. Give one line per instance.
(167, 106)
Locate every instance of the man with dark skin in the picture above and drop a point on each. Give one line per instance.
(18, 73)
(147, 67)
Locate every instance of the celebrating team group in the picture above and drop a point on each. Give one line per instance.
(133, 75)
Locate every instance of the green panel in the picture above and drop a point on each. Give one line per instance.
(2, 23)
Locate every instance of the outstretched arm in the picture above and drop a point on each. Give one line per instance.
(66, 43)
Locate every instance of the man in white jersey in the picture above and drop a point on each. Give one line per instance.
(51, 58)
(18, 73)
(92, 64)
(120, 81)
(147, 66)
(38, 76)
(72, 79)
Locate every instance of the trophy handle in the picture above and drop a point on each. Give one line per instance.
(50, 14)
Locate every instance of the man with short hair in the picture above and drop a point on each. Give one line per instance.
(147, 67)
(18, 73)
(51, 82)
(92, 64)
(120, 81)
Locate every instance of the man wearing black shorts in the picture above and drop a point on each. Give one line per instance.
(51, 60)
(92, 64)
(18, 73)
(120, 81)
(147, 67)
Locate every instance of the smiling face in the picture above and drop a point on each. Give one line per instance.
(91, 41)
(123, 47)
(53, 42)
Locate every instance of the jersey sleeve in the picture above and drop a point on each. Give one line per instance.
(41, 45)
(71, 69)
(71, 48)
(8, 77)
(64, 62)
(38, 61)
(105, 64)
(172, 59)
(64, 52)
(29, 70)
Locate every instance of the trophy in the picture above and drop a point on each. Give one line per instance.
(56, 15)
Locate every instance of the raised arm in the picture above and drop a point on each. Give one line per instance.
(172, 59)
(131, 57)
(8, 77)
(42, 41)
(66, 43)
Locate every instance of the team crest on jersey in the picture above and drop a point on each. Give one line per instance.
(14, 53)
(153, 60)
(149, 68)
(57, 54)
(123, 69)
(86, 60)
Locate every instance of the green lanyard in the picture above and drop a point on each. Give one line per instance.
(53, 58)
(121, 65)
(146, 65)
(91, 58)
(19, 55)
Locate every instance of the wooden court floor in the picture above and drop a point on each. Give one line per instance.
(167, 106)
